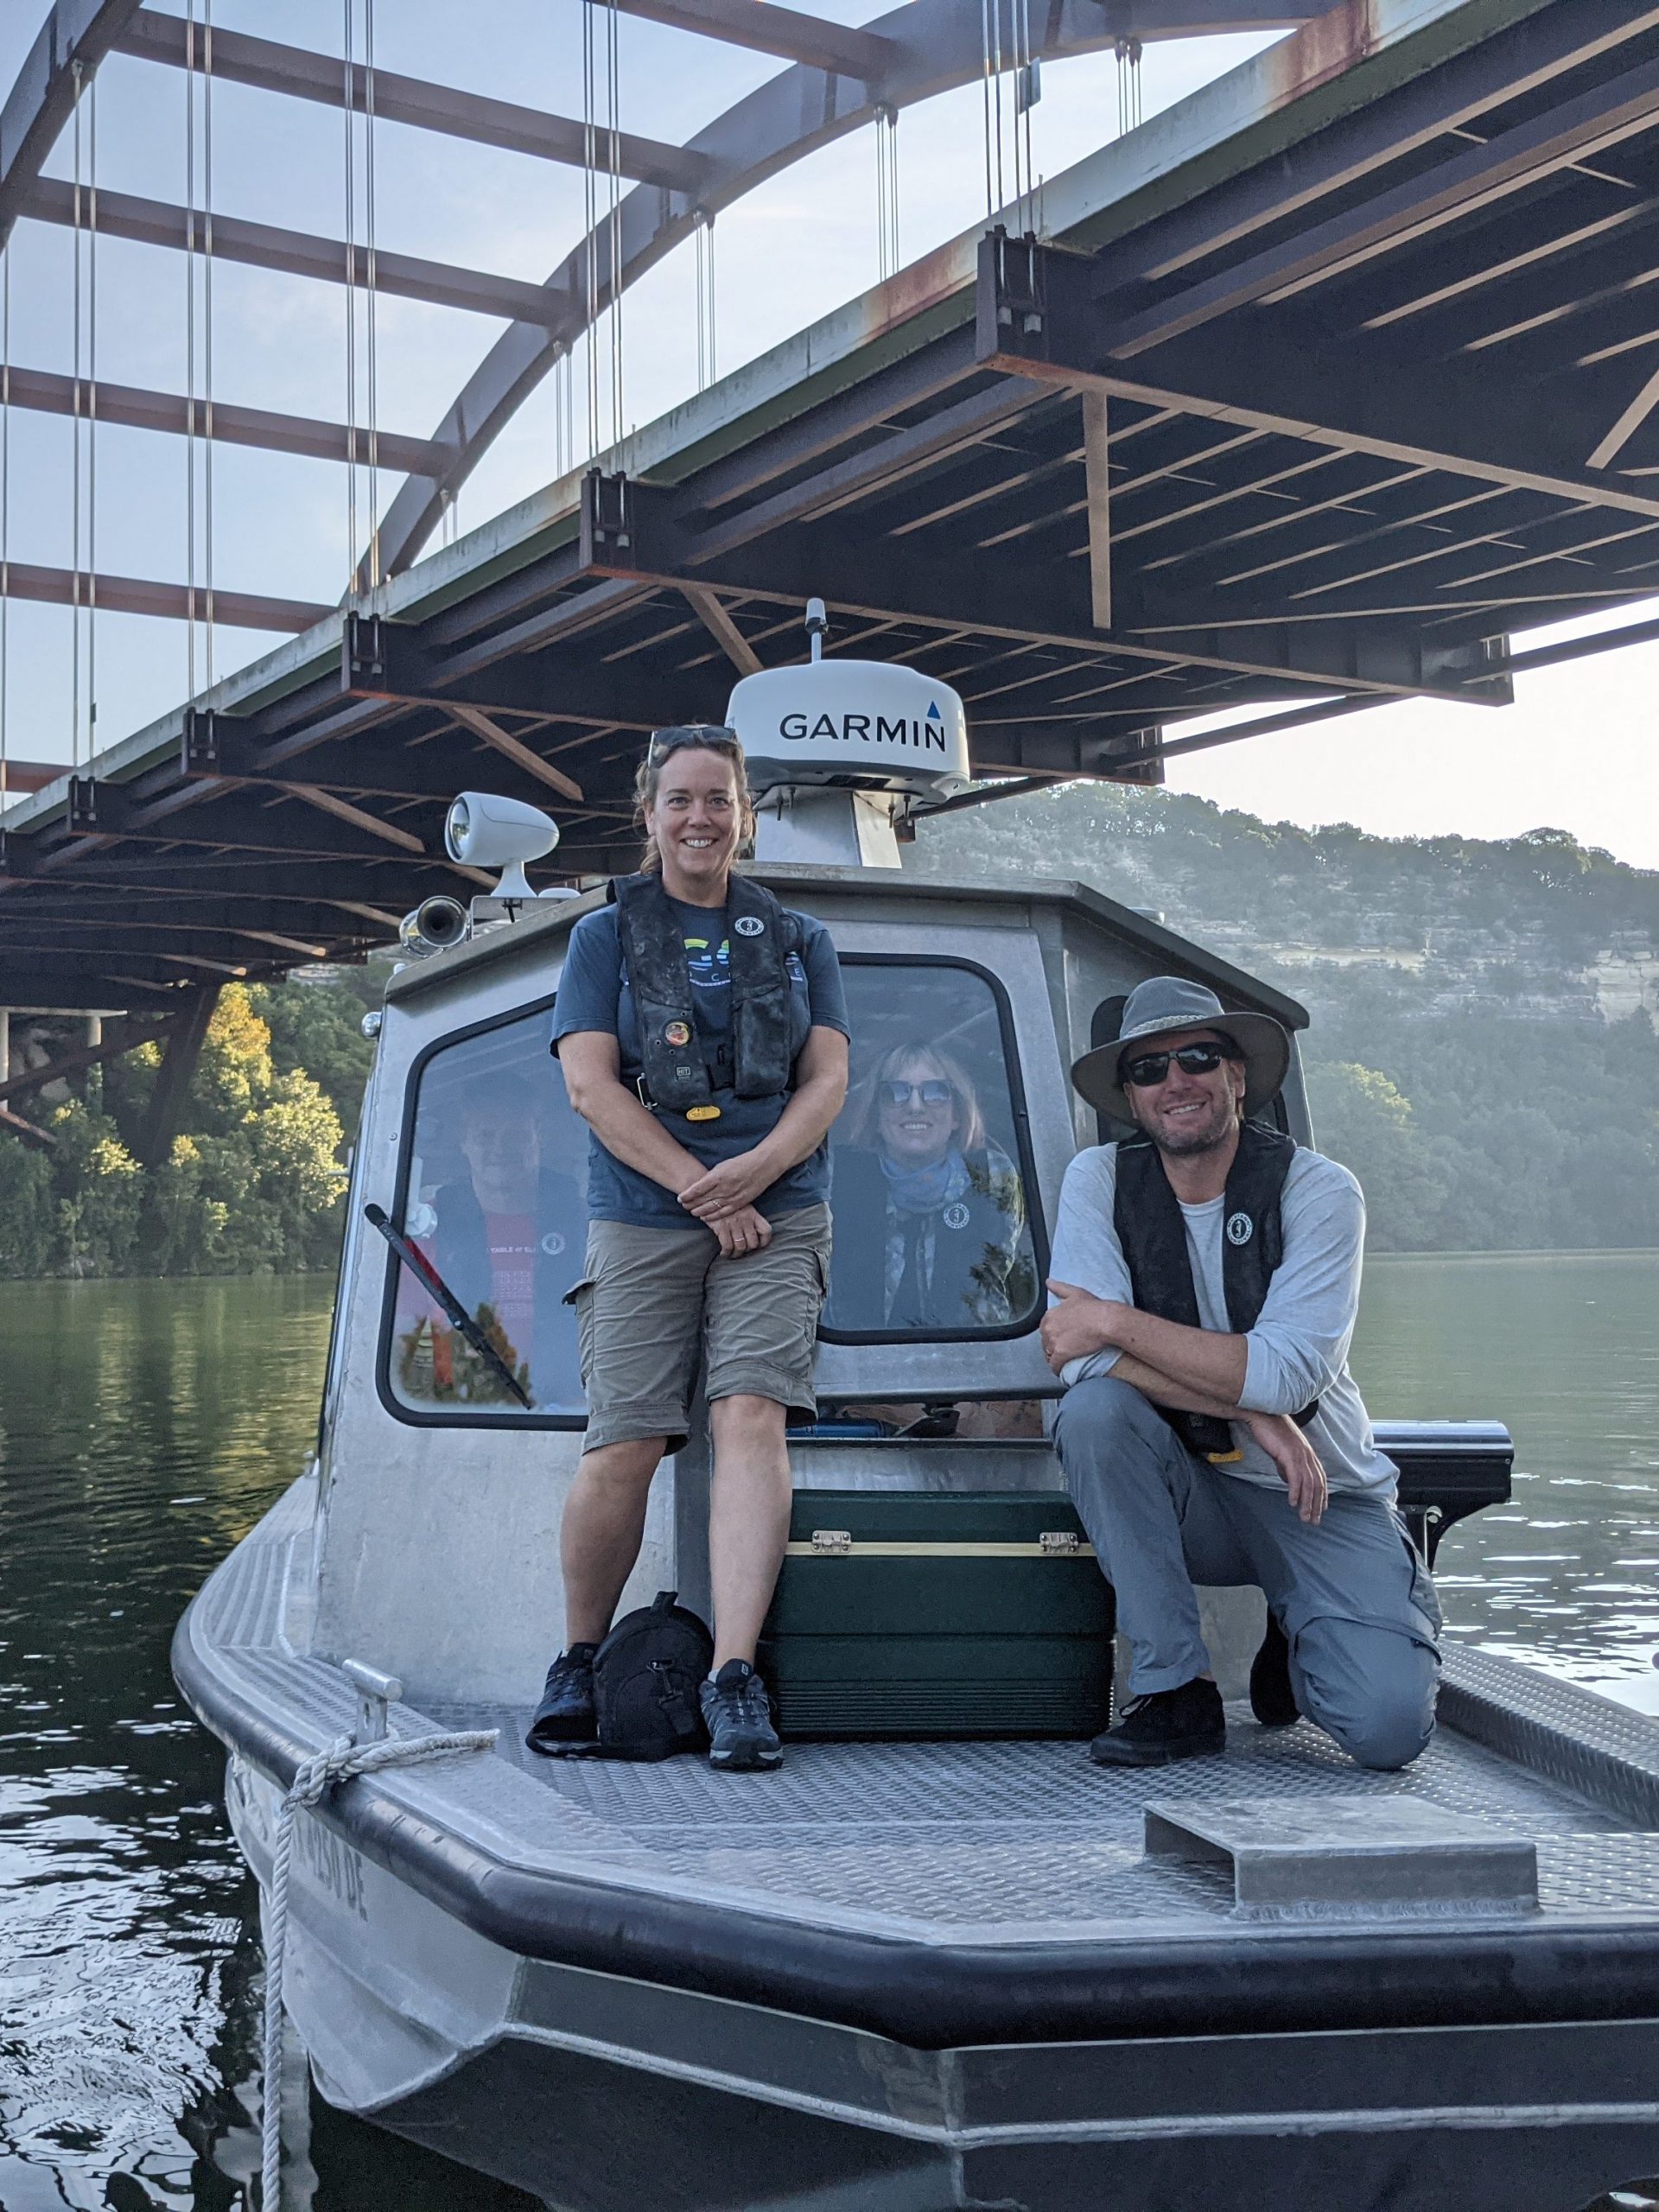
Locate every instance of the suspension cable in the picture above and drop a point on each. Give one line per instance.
(5, 518)
(590, 217)
(351, 299)
(887, 191)
(613, 87)
(207, 337)
(371, 301)
(190, 346)
(1128, 85)
(75, 445)
(92, 425)
(703, 238)
(985, 7)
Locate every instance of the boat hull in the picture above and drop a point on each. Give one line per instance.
(601, 2093)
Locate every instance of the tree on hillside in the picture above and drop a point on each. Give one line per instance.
(252, 1180)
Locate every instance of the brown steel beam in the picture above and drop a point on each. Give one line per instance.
(237, 822)
(174, 1075)
(710, 610)
(73, 40)
(1038, 319)
(135, 409)
(764, 27)
(236, 610)
(42, 1139)
(23, 776)
(119, 1036)
(302, 74)
(1572, 130)
(296, 253)
(1097, 479)
(873, 582)
(503, 742)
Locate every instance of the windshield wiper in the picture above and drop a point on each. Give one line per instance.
(428, 1276)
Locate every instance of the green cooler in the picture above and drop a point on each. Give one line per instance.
(912, 1613)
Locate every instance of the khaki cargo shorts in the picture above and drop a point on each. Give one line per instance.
(652, 1303)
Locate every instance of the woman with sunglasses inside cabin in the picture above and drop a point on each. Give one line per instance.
(701, 1029)
(932, 1213)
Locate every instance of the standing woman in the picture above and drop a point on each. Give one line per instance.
(701, 1029)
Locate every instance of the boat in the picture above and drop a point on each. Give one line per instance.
(952, 1971)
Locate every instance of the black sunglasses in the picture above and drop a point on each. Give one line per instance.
(1150, 1070)
(934, 1092)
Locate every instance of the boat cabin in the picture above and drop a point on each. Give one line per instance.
(442, 1491)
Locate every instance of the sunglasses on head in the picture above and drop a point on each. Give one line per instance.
(702, 738)
(934, 1092)
(1147, 1072)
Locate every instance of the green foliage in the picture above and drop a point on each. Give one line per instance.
(252, 1182)
(1458, 1057)
(319, 1032)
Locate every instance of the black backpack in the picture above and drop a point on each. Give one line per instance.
(646, 1676)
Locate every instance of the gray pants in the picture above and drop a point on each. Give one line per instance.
(1355, 1601)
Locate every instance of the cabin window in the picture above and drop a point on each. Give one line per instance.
(493, 1198)
(936, 1229)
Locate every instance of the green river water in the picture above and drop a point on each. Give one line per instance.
(143, 1428)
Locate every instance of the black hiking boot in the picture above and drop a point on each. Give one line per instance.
(737, 1713)
(566, 1714)
(1184, 1723)
(1271, 1699)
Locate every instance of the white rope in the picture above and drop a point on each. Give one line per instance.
(313, 1779)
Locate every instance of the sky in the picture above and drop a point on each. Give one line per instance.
(1576, 751)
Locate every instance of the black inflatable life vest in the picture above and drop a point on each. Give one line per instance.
(675, 1065)
(1151, 1232)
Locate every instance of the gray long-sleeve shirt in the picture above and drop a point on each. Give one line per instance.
(1298, 1350)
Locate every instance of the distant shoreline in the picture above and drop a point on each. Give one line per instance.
(1528, 1252)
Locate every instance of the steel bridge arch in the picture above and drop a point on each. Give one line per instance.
(915, 51)
(931, 47)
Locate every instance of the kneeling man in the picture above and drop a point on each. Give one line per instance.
(1206, 1283)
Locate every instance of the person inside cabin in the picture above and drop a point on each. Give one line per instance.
(504, 1236)
(931, 1212)
(701, 1029)
(1204, 1290)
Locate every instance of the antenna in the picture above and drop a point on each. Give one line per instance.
(818, 624)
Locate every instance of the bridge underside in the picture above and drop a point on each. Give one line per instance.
(1331, 378)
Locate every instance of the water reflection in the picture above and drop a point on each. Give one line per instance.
(144, 1427)
(1565, 1348)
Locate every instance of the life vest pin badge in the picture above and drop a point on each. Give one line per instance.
(1240, 1229)
(956, 1217)
(678, 1033)
(702, 1113)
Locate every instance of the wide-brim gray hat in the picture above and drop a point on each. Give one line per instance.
(1162, 1006)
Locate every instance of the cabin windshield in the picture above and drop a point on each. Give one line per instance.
(494, 1201)
(935, 1219)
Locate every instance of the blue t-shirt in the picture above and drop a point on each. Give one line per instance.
(594, 994)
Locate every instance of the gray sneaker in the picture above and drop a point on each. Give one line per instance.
(737, 1713)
